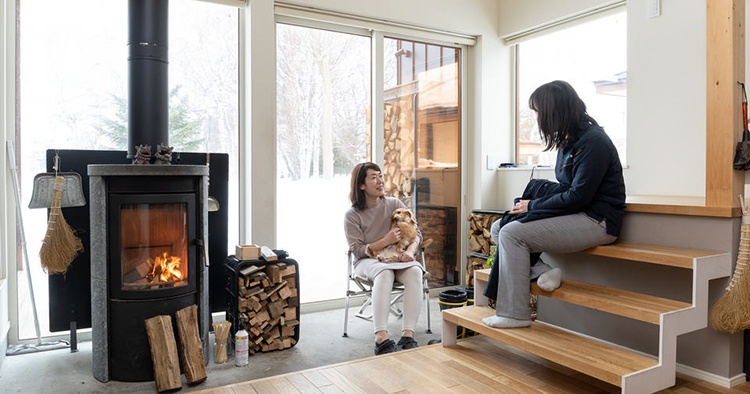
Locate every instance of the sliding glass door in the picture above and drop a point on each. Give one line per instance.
(422, 135)
(325, 127)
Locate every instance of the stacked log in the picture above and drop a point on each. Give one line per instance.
(268, 301)
(480, 241)
(398, 151)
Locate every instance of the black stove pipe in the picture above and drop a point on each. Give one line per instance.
(148, 84)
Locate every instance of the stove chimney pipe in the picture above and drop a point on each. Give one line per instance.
(148, 84)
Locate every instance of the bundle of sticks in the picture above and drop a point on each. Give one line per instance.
(221, 333)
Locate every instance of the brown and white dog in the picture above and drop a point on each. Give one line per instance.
(406, 222)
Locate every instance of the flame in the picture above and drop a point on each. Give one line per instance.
(166, 268)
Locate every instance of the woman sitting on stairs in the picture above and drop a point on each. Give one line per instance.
(583, 209)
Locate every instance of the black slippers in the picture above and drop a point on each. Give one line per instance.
(387, 346)
(407, 343)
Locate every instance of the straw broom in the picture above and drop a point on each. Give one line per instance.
(731, 313)
(60, 245)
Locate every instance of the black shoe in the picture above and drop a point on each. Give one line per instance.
(387, 346)
(434, 341)
(407, 343)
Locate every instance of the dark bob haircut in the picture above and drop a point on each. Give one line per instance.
(357, 195)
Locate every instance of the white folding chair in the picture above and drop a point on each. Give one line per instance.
(364, 288)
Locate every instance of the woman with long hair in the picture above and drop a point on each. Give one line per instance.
(582, 210)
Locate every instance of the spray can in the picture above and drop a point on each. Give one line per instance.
(241, 346)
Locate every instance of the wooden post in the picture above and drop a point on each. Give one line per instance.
(725, 65)
(163, 353)
(191, 346)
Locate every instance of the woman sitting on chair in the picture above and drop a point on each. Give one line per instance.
(368, 230)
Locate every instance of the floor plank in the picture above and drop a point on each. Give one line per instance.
(476, 365)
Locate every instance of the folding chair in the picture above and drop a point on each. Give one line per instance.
(364, 287)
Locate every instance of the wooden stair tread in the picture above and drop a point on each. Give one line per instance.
(638, 306)
(664, 255)
(586, 355)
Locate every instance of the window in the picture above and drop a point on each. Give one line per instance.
(324, 128)
(592, 57)
(72, 94)
(323, 103)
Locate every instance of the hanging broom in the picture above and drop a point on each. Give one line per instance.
(60, 245)
(731, 313)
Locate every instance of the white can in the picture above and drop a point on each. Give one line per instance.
(241, 348)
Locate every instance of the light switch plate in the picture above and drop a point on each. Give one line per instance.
(654, 8)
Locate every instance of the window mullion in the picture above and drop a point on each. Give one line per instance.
(378, 78)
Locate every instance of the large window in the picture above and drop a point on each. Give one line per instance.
(72, 94)
(592, 57)
(323, 107)
(325, 127)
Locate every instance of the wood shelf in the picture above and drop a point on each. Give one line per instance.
(607, 299)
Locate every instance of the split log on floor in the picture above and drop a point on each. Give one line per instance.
(164, 353)
(193, 363)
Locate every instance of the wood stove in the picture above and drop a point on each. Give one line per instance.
(148, 258)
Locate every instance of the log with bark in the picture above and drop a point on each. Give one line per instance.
(163, 353)
(191, 347)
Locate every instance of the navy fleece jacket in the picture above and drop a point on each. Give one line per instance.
(590, 175)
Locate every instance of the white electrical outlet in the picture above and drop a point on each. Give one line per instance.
(654, 8)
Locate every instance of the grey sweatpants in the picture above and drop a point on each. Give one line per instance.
(516, 240)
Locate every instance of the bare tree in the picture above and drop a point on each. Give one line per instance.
(322, 100)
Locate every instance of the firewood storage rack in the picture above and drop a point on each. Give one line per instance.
(268, 306)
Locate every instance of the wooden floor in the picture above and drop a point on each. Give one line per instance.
(477, 365)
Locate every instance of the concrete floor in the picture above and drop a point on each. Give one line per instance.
(320, 343)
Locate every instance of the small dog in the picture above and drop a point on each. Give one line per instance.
(406, 222)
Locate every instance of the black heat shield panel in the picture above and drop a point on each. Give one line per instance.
(70, 294)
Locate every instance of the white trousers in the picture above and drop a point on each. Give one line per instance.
(411, 278)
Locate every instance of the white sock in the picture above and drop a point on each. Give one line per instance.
(550, 280)
(505, 322)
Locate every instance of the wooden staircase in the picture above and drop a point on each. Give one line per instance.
(632, 371)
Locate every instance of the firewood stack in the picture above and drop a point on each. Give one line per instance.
(268, 301)
(398, 152)
(480, 241)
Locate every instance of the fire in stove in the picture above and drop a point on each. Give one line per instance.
(165, 270)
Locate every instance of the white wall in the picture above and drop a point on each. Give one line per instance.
(666, 88)
(667, 99)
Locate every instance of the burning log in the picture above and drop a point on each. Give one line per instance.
(163, 353)
(267, 302)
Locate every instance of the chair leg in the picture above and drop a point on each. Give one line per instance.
(360, 314)
(427, 302)
(346, 315)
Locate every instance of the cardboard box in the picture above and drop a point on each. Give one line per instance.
(247, 252)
